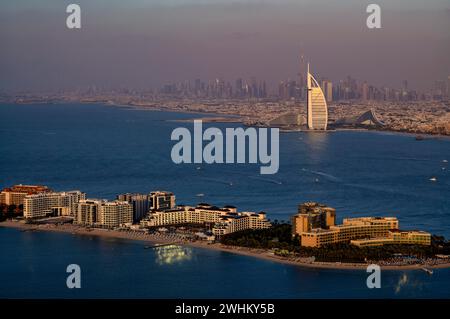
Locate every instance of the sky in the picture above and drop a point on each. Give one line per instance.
(145, 43)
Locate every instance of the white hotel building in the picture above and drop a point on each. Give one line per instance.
(102, 213)
(225, 220)
(86, 211)
(316, 104)
(115, 214)
(240, 221)
(55, 203)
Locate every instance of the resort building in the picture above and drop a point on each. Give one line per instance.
(240, 221)
(162, 200)
(179, 215)
(86, 211)
(223, 220)
(311, 216)
(51, 204)
(314, 224)
(101, 213)
(115, 214)
(317, 109)
(143, 203)
(398, 237)
(139, 202)
(351, 228)
(203, 213)
(16, 194)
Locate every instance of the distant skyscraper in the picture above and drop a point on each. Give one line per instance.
(316, 105)
(365, 91)
(302, 80)
(327, 88)
(198, 86)
(440, 89)
(448, 86)
(405, 85)
(239, 88)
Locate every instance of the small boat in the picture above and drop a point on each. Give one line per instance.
(433, 179)
(444, 161)
(200, 195)
(428, 271)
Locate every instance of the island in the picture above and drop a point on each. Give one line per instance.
(311, 239)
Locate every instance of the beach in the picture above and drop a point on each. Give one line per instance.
(154, 240)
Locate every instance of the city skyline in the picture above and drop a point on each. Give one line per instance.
(348, 88)
(191, 39)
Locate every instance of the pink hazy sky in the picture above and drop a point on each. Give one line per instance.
(144, 44)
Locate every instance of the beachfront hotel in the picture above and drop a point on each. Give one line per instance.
(240, 221)
(86, 211)
(312, 216)
(315, 225)
(115, 214)
(317, 109)
(224, 220)
(395, 236)
(93, 212)
(143, 203)
(15, 195)
(51, 204)
(41, 202)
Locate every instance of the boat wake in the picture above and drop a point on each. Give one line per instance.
(327, 176)
(397, 158)
(267, 180)
(220, 181)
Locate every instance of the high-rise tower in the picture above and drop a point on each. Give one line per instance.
(302, 78)
(316, 104)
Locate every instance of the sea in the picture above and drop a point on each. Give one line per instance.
(106, 150)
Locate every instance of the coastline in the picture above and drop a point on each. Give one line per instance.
(158, 240)
(237, 118)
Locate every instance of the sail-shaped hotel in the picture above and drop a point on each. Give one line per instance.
(316, 104)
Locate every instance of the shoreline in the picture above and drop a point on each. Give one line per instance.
(238, 117)
(158, 240)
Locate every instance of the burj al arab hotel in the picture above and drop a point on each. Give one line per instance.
(317, 109)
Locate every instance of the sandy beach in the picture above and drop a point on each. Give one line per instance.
(160, 239)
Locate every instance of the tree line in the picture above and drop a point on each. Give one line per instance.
(10, 211)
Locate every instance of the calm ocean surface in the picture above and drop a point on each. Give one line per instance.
(105, 150)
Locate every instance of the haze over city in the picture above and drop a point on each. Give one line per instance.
(143, 44)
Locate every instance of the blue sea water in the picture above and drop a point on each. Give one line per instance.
(106, 150)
